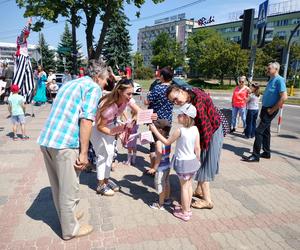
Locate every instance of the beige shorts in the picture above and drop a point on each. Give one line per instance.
(161, 180)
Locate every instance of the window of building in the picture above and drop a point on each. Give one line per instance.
(281, 34)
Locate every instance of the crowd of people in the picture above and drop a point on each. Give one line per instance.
(91, 112)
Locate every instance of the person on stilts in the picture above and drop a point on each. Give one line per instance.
(23, 75)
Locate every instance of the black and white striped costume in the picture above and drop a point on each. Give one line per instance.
(23, 75)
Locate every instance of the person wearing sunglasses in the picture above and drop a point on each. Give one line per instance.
(274, 97)
(209, 124)
(239, 102)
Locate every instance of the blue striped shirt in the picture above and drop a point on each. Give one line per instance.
(165, 158)
(75, 100)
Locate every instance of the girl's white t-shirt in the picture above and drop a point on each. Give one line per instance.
(253, 102)
(185, 145)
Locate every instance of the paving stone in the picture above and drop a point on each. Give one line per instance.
(256, 205)
(3, 200)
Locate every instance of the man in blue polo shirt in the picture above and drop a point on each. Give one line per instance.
(274, 97)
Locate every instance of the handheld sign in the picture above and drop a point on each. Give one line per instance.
(144, 116)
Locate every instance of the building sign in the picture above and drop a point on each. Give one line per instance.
(203, 21)
(262, 14)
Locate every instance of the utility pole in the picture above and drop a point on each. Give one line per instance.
(286, 56)
(74, 44)
(252, 63)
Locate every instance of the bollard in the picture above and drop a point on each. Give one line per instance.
(292, 91)
(279, 119)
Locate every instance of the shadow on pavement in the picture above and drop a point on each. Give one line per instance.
(89, 179)
(138, 192)
(42, 209)
(239, 151)
(289, 136)
(141, 163)
(286, 155)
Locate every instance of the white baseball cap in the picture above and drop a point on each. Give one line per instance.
(188, 109)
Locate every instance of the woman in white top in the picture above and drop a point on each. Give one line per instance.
(252, 111)
(186, 159)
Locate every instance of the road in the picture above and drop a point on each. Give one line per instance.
(291, 114)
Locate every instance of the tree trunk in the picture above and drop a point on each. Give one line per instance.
(106, 18)
(90, 23)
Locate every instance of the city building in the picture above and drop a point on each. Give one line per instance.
(8, 50)
(282, 25)
(178, 27)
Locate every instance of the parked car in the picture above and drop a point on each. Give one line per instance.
(137, 88)
(59, 78)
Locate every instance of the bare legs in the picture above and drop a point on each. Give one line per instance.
(186, 194)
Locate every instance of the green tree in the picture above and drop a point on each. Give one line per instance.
(64, 50)
(210, 55)
(117, 47)
(93, 10)
(48, 55)
(137, 60)
(166, 52)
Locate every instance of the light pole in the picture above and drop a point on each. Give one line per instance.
(286, 65)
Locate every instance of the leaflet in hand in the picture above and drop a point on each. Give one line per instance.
(146, 137)
(144, 116)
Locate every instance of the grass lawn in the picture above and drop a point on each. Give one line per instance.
(145, 84)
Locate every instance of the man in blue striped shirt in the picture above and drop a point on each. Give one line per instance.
(64, 142)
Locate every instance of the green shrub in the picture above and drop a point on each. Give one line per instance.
(144, 73)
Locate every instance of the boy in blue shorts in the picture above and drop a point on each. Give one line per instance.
(16, 108)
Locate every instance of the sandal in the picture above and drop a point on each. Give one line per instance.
(179, 208)
(197, 195)
(202, 204)
(181, 215)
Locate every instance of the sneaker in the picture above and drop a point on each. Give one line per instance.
(156, 206)
(104, 190)
(15, 138)
(168, 202)
(113, 186)
(181, 215)
(25, 137)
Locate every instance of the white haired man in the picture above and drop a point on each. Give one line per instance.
(64, 142)
(274, 96)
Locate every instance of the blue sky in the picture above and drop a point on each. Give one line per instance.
(12, 20)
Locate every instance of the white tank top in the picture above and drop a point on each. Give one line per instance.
(185, 145)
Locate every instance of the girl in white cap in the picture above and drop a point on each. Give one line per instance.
(186, 159)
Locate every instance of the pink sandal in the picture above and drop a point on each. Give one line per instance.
(181, 215)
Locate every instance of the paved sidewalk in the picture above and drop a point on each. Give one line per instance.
(257, 206)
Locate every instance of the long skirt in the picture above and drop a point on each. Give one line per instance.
(210, 158)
